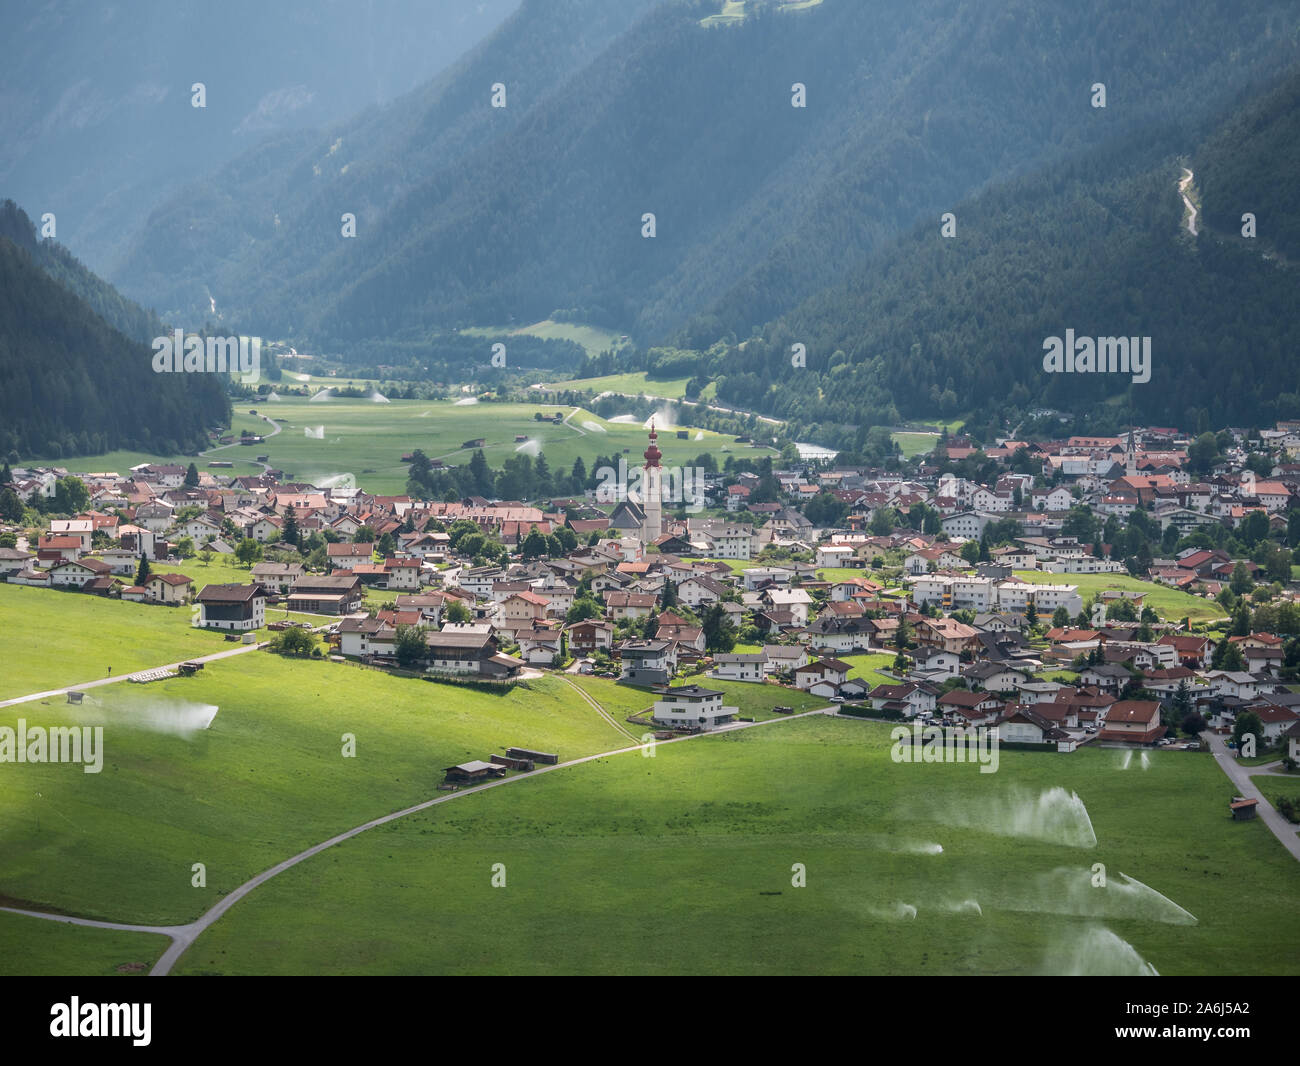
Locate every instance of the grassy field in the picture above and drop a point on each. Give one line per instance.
(32, 947)
(266, 779)
(1168, 603)
(1275, 788)
(914, 444)
(636, 384)
(367, 440)
(593, 338)
(868, 667)
(682, 863)
(51, 638)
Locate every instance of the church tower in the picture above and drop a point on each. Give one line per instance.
(651, 488)
(1130, 457)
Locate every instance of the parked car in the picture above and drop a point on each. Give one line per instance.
(1193, 746)
(837, 699)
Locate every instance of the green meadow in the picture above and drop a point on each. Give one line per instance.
(1168, 603)
(50, 638)
(636, 383)
(685, 863)
(32, 947)
(368, 440)
(868, 666)
(593, 338)
(53, 638)
(266, 779)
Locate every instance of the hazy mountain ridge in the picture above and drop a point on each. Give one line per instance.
(912, 107)
(95, 100)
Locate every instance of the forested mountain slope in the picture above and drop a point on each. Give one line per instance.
(468, 214)
(936, 325)
(71, 383)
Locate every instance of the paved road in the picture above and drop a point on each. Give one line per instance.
(185, 935)
(126, 677)
(1240, 778)
(275, 429)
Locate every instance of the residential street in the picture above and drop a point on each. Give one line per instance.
(1240, 777)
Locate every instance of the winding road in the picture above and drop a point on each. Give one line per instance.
(182, 936)
(275, 431)
(1240, 777)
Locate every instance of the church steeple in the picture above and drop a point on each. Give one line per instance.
(652, 487)
(652, 453)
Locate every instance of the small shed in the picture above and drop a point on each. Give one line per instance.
(536, 756)
(1243, 809)
(472, 772)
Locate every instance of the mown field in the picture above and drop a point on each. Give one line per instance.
(367, 440)
(1168, 603)
(682, 863)
(30, 947)
(635, 384)
(53, 638)
(594, 339)
(868, 666)
(264, 780)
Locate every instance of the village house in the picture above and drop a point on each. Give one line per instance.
(783, 658)
(908, 698)
(78, 573)
(347, 556)
(278, 577)
(235, 607)
(690, 707)
(842, 634)
(647, 662)
(338, 593)
(590, 636)
(469, 653)
(538, 647)
(364, 637)
(739, 667)
(52, 550)
(699, 591)
(168, 588)
(634, 605)
(81, 529)
(402, 574)
(13, 561)
(1025, 725)
(429, 605)
(934, 664)
(976, 708)
(822, 677)
(523, 607)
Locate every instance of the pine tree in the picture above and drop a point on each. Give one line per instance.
(290, 533)
(192, 476)
(142, 572)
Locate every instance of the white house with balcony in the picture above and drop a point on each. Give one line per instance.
(691, 707)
